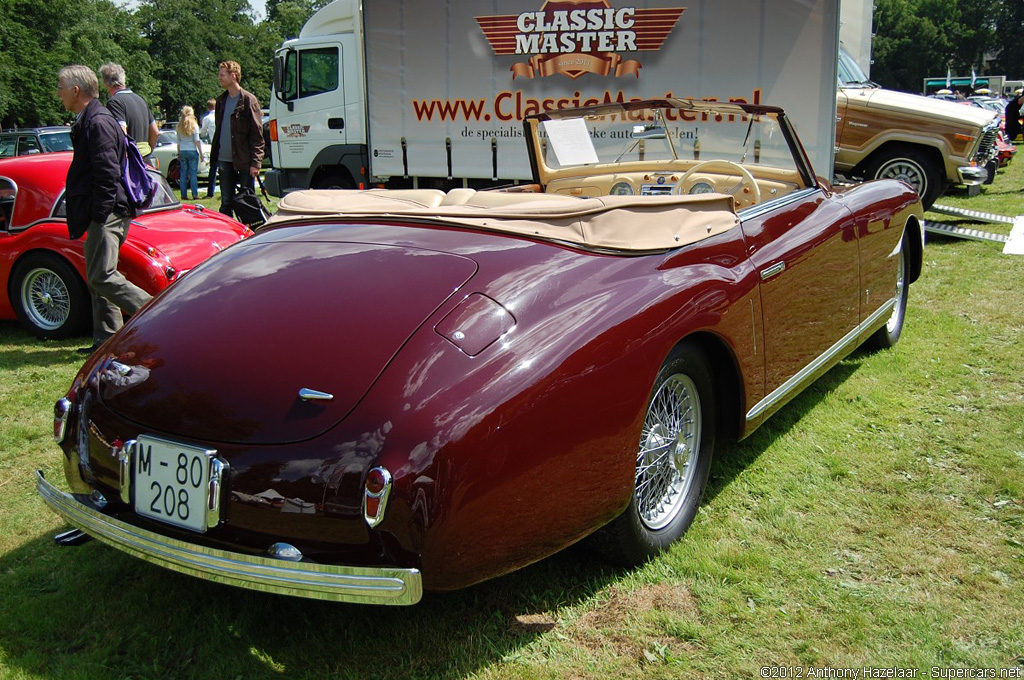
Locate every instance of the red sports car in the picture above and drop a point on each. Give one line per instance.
(42, 271)
(438, 388)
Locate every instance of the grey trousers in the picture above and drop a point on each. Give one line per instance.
(110, 290)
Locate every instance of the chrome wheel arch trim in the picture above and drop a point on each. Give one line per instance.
(812, 371)
(367, 585)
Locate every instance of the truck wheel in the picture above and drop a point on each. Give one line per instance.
(334, 182)
(673, 460)
(49, 298)
(910, 165)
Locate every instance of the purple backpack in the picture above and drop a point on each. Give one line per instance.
(138, 185)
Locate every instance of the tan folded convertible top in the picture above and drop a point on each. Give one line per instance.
(640, 223)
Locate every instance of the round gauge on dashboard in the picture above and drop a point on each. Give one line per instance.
(702, 188)
(622, 189)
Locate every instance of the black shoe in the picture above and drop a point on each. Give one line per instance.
(89, 350)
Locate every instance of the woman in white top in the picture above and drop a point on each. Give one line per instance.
(190, 152)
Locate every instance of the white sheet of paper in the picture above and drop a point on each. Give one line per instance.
(571, 141)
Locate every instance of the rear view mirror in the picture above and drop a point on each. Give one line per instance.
(648, 131)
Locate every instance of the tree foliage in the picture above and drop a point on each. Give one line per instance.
(38, 38)
(1010, 39)
(170, 50)
(916, 39)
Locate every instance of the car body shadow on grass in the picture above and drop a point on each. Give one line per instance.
(81, 612)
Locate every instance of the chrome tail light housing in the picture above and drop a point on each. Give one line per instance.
(375, 495)
(61, 413)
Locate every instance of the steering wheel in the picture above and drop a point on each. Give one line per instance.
(745, 177)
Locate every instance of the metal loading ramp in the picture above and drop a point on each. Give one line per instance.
(1013, 243)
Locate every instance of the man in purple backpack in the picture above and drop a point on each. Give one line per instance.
(95, 201)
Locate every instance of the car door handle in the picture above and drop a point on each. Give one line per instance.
(777, 268)
(336, 123)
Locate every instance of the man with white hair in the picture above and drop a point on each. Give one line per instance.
(95, 201)
(129, 109)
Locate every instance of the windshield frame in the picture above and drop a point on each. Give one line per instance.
(543, 174)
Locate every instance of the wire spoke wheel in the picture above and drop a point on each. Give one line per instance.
(49, 296)
(669, 446)
(46, 299)
(889, 334)
(671, 463)
(899, 309)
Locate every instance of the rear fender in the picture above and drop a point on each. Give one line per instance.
(504, 458)
(146, 270)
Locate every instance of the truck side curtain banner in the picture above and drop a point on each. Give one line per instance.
(457, 77)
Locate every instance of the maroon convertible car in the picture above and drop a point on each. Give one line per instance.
(438, 388)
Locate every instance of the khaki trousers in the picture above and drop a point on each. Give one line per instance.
(110, 290)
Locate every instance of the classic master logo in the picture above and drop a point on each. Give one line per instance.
(295, 130)
(574, 37)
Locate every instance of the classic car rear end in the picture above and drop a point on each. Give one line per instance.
(436, 389)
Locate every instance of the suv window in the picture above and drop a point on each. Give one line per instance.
(20, 143)
(28, 144)
(56, 141)
(8, 143)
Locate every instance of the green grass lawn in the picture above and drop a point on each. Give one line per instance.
(876, 521)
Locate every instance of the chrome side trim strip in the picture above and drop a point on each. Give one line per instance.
(812, 370)
(768, 206)
(370, 585)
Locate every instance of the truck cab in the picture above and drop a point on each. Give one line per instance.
(317, 105)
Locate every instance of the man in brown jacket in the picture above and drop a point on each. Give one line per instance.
(237, 147)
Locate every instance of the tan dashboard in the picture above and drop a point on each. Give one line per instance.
(720, 177)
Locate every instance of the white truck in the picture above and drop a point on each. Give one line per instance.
(402, 93)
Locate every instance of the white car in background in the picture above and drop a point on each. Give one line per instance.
(165, 157)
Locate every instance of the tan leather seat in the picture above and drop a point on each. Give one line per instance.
(499, 199)
(428, 198)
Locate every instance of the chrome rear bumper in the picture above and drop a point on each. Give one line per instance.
(369, 585)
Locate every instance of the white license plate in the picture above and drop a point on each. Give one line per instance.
(172, 482)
